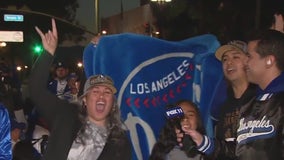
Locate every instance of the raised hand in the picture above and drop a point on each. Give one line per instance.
(279, 23)
(179, 135)
(195, 135)
(50, 39)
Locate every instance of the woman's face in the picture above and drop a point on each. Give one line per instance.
(99, 102)
(190, 116)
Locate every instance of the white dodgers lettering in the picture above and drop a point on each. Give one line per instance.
(255, 128)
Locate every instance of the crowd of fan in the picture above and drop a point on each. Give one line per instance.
(29, 132)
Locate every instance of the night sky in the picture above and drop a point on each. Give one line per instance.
(107, 8)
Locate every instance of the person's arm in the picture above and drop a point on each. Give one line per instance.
(5, 135)
(204, 143)
(278, 24)
(223, 149)
(46, 102)
(211, 147)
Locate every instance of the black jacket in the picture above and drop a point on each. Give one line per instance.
(226, 128)
(62, 118)
(260, 134)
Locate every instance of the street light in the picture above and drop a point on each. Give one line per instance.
(37, 49)
(79, 64)
(3, 44)
(19, 68)
(104, 32)
(97, 16)
(161, 1)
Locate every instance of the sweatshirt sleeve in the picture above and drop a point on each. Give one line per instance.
(46, 102)
(217, 149)
(207, 145)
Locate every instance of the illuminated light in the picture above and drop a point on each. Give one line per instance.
(79, 65)
(19, 68)
(14, 17)
(3, 44)
(37, 49)
(161, 1)
(26, 67)
(104, 32)
(12, 36)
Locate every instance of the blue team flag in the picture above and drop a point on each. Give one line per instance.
(150, 73)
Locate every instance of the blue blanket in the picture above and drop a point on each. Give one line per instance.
(150, 73)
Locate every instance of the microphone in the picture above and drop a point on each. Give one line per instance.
(176, 114)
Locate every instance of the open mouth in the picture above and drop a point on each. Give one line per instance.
(100, 106)
(230, 70)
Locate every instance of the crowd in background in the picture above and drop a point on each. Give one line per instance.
(28, 129)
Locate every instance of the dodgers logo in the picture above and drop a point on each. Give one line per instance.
(254, 129)
(149, 95)
(150, 73)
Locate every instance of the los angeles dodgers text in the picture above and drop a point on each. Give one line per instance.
(155, 86)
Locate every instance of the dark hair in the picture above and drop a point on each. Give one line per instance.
(167, 139)
(270, 42)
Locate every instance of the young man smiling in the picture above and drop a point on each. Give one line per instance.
(260, 135)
